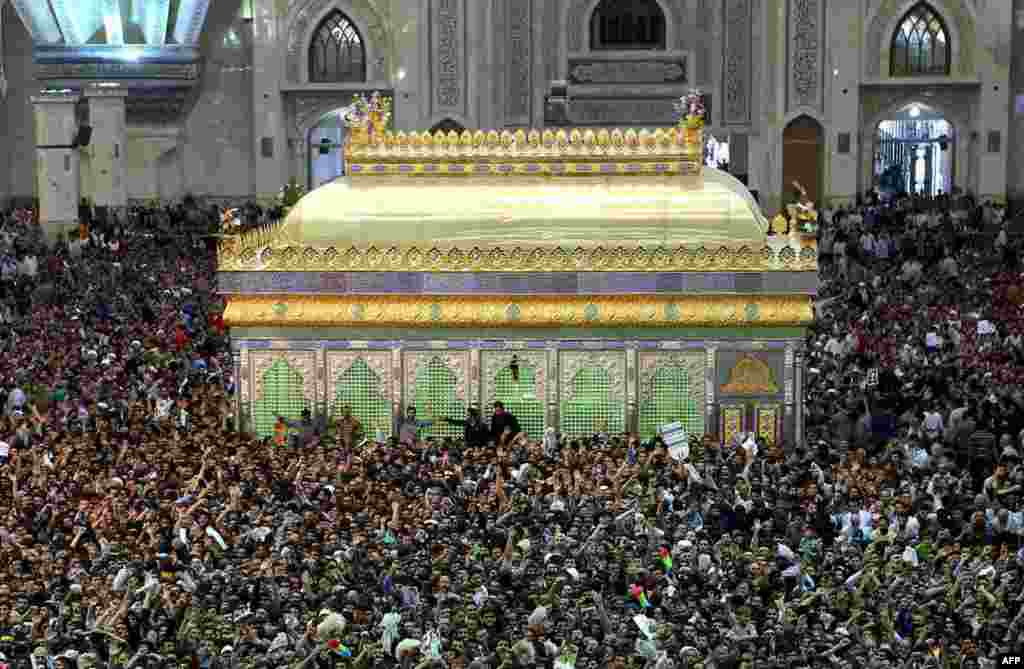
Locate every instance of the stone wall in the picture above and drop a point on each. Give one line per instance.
(17, 141)
(489, 63)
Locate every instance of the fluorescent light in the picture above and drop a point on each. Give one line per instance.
(108, 84)
(133, 55)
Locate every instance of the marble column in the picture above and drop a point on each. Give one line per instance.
(271, 157)
(57, 183)
(109, 128)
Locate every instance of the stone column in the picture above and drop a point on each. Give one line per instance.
(57, 176)
(270, 162)
(109, 128)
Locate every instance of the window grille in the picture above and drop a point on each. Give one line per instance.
(282, 395)
(336, 53)
(592, 408)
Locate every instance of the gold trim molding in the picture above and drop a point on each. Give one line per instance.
(263, 252)
(414, 311)
(369, 154)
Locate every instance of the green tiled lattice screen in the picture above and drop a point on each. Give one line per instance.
(436, 399)
(593, 408)
(282, 395)
(670, 401)
(362, 390)
(519, 398)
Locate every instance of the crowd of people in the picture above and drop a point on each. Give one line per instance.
(141, 528)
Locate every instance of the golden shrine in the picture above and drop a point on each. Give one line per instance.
(627, 285)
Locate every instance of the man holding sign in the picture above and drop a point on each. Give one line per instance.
(675, 437)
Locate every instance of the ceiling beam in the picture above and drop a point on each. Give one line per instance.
(154, 21)
(77, 20)
(112, 22)
(189, 25)
(39, 20)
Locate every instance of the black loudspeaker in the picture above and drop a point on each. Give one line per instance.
(83, 136)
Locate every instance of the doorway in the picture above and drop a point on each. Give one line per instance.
(325, 147)
(914, 153)
(803, 159)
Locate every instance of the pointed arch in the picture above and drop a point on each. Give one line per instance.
(517, 391)
(337, 52)
(361, 389)
(282, 395)
(671, 398)
(921, 44)
(592, 407)
(436, 395)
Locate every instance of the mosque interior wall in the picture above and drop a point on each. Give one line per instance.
(764, 63)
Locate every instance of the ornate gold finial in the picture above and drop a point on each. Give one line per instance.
(368, 119)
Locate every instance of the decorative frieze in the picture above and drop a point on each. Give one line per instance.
(448, 55)
(622, 112)
(704, 39)
(628, 71)
(806, 25)
(117, 70)
(520, 59)
(737, 73)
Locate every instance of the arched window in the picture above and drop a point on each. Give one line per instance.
(337, 53)
(920, 45)
(627, 24)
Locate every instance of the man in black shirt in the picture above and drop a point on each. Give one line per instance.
(475, 430)
(501, 421)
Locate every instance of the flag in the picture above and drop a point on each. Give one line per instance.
(666, 558)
